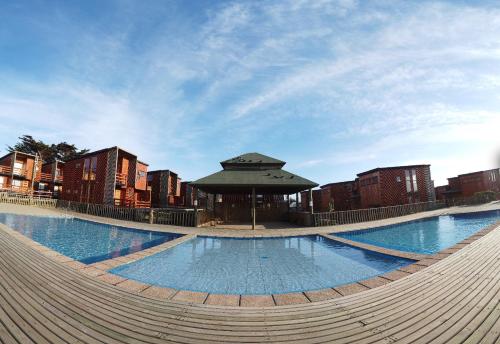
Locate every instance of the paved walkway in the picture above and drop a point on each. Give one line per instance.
(224, 232)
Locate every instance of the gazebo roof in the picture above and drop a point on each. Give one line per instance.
(253, 170)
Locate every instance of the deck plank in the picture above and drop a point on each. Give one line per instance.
(454, 299)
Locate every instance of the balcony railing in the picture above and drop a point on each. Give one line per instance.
(19, 172)
(121, 179)
(46, 177)
(5, 169)
(130, 203)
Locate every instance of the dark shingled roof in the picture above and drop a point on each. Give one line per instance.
(253, 170)
(253, 158)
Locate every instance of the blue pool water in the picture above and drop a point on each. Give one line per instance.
(258, 266)
(85, 241)
(426, 236)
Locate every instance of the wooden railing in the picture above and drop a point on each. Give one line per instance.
(20, 172)
(11, 198)
(174, 217)
(121, 179)
(46, 177)
(372, 214)
(5, 169)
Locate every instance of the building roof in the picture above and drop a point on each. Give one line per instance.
(253, 170)
(161, 171)
(471, 173)
(265, 181)
(17, 152)
(105, 150)
(338, 183)
(390, 168)
(252, 159)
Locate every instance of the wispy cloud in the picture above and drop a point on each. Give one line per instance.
(333, 85)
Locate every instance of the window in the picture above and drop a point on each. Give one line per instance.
(408, 180)
(140, 174)
(42, 186)
(398, 179)
(16, 183)
(86, 169)
(493, 177)
(414, 177)
(18, 167)
(93, 168)
(2, 181)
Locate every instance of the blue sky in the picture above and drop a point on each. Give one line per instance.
(332, 87)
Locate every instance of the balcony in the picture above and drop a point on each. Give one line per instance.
(5, 170)
(19, 172)
(129, 203)
(121, 179)
(46, 177)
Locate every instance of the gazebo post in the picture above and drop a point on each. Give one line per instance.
(253, 208)
(195, 203)
(311, 203)
(296, 201)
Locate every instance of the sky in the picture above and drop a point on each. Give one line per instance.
(333, 87)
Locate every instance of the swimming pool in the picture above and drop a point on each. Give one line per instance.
(425, 236)
(258, 265)
(85, 241)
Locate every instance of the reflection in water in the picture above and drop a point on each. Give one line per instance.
(426, 236)
(86, 241)
(258, 266)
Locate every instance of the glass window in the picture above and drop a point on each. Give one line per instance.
(408, 181)
(16, 183)
(2, 181)
(93, 168)
(86, 169)
(18, 164)
(398, 179)
(414, 177)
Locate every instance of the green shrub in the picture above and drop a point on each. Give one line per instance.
(484, 197)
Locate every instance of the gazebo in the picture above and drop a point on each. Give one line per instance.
(250, 175)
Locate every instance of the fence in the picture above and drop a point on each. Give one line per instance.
(371, 214)
(13, 198)
(175, 217)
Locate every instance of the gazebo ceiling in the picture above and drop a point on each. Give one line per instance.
(253, 170)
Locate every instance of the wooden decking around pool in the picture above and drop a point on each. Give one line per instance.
(455, 300)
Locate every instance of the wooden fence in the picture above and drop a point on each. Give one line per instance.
(13, 198)
(372, 214)
(175, 217)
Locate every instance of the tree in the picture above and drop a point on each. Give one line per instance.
(61, 151)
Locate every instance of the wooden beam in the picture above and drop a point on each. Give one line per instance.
(253, 208)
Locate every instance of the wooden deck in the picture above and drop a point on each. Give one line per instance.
(456, 300)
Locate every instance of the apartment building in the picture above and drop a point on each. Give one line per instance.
(109, 176)
(19, 172)
(468, 184)
(51, 179)
(387, 186)
(165, 186)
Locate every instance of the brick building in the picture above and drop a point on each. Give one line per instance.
(109, 176)
(389, 186)
(165, 187)
(51, 179)
(468, 184)
(339, 196)
(19, 172)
